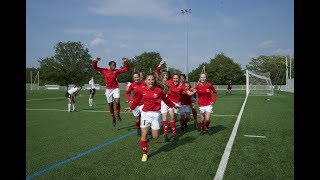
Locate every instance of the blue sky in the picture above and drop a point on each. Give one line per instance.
(112, 29)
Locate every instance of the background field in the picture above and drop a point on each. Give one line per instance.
(84, 145)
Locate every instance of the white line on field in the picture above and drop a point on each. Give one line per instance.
(227, 150)
(46, 99)
(255, 136)
(93, 111)
(80, 95)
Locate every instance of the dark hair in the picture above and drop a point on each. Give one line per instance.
(158, 82)
(183, 76)
(112, 62)
(136, 72)
(164, 71)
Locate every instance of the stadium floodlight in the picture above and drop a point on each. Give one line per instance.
(187, 12)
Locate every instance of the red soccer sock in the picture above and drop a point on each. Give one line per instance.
(182, 122)
(165, 127)
(144, 146)
(173, 127)
(201, 126)
(138, 124)
(207, 124)
(118, 109)
(111, 111)
(194, 113)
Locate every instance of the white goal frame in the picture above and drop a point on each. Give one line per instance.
(35, 79)
(262, 88)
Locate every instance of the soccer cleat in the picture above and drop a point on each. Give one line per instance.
(201, 133)
(114, 122)
(175, 137)
(182, 128)
(210, 131)
(144, 158)
(119, 118)
(166, 139)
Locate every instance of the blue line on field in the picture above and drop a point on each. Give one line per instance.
(78, 156)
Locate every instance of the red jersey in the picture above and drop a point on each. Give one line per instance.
(109, 75)
(158, 70)
(204, 93)
(136, 89)
(185, 98)
(176, 91)
(151, 99)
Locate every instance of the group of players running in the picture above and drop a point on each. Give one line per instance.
(154, 98)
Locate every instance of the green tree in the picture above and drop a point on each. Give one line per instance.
(71, 64)
(276, 65)
(219, 70)
(145, 62)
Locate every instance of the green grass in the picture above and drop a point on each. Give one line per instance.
(53, 135)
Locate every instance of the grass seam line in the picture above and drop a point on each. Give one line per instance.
(38, 173)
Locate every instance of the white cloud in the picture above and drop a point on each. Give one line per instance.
(281, 51)
(266, 44)
(123, 45)
(226, 21)
(83, 32)
(97, 41)
(154, 9)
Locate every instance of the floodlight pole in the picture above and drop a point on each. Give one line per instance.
(31, 79)
(187, 12)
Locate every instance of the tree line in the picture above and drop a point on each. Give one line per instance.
(72, 64)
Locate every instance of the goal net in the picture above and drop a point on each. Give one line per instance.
(258, 84)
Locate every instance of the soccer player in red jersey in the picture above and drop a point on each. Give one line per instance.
(112, 92)
(207, 95)
(151, 97)
(136, 87)
(187, 100)
(174, 95)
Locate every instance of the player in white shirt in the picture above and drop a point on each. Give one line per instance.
(92, 91)
(71, 95)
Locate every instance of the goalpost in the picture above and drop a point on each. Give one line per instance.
(258, 84)
(35, 79)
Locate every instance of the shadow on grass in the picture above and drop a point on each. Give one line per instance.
(217, 128)
(169, 146)
(129, 128)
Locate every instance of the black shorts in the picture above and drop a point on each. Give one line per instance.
(92, 91)
(229, 87)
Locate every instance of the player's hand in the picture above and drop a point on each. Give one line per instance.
(177, 106)
(98, 59)
(127, 110)
(124, 59)
(162, 62)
